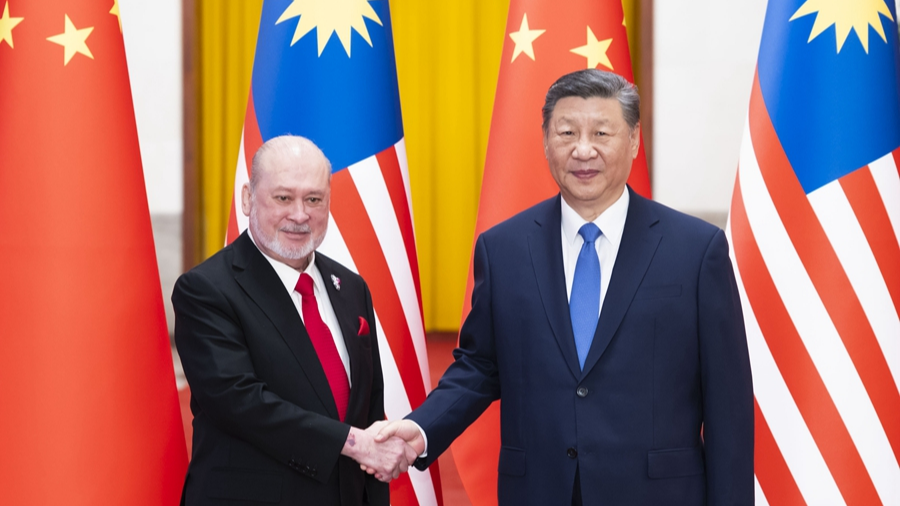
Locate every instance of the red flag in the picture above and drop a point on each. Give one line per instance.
(543, 42)
(90, 412)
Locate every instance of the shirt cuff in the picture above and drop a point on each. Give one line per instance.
(424, 437)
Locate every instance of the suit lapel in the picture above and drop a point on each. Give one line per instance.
(639, 243)
(545, 244)
(349, 328)
(255, 275)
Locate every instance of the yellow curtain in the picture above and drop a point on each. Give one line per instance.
(226, 36)
(448, 57)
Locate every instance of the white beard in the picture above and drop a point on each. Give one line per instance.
(286, 252)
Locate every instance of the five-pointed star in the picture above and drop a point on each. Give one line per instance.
(595, 51)
(115, 12)
(6, 26)
(524, 39)
(73, 40)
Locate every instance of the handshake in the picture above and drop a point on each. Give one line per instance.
(385, 449)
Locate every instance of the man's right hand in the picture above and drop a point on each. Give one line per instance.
(406, 430)
(385, 459)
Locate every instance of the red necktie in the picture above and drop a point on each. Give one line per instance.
(323, 342)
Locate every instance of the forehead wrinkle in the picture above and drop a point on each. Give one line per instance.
(583, 118)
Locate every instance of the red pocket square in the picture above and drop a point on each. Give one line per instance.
(363, 327)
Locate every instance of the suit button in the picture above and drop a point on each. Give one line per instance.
(581, 392)
(572, 453)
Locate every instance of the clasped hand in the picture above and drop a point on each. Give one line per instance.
(385, 450)
(385, 458)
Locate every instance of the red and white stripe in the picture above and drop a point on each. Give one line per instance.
(819, 279)
(370, 231)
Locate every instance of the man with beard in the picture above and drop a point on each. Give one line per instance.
(279, 347)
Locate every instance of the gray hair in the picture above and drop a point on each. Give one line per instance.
(293, 145)
(594, 83)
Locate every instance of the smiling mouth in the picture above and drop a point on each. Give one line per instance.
(584, 174)
(296, 233)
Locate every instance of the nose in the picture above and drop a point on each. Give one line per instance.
(584, 149)
(298, 212)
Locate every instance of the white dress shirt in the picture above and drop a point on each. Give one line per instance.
(289, 277)
(611, 223)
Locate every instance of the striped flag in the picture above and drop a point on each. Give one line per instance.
(814, 226)
(325, 70)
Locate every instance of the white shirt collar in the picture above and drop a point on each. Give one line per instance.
(289, 275)
(611, 222)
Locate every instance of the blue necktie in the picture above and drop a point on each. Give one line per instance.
(584, 302)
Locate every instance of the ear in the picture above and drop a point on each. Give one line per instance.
(635, 140)
(245, 199)
(546, 148)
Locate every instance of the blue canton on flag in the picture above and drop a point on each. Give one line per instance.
(835, 108)
(348, 105)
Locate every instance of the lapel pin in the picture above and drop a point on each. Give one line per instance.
(336, 281)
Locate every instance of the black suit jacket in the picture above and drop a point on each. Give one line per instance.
(669, 356)
(266, 428)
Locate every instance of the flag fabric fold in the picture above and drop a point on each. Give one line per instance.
(542, 42)
(87, 387)
(814, 228)
(326, 71)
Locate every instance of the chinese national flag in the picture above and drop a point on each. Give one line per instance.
(543, 42)
(90, 414)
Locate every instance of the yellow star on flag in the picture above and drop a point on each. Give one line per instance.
(6, 26)
(331, 16)
(73, 40)
(595, 51)
(857, 16)
(115, 12)
(524, 39)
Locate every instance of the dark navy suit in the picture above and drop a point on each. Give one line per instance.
(669, 357)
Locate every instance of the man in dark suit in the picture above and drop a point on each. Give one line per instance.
(611, 328)
(279, 348)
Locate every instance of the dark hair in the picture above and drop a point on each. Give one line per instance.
(594, 83)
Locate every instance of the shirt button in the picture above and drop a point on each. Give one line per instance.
(572, 453)
(581, 392)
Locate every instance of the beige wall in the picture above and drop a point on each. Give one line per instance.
(152, 33)
(704, 59)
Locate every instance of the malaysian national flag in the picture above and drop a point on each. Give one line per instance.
(814, 228)
(325, 70)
